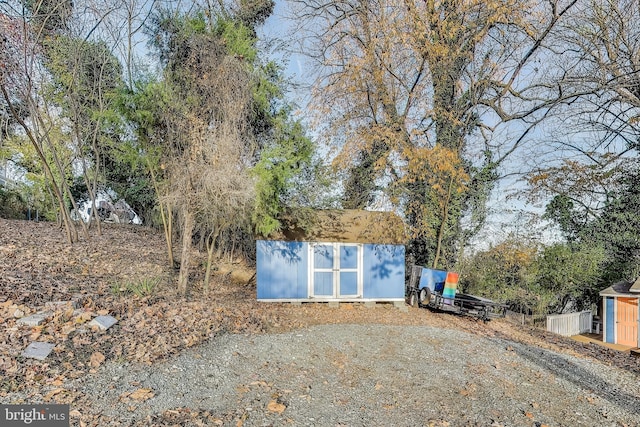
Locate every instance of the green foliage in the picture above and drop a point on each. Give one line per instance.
(268, 98)
(238, 39)
(570, 274)
(286, 152)
(360, 185)
(280, 163)
(561, 211)
(86, 81)
(618, 230)
(133, 163)
(141, 287)
(615, 228)
(536, 280)
(502, 273)
(36, 192)
(170, 35)
(12, 205)
(127, 173)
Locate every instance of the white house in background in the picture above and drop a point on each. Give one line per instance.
(119, 212)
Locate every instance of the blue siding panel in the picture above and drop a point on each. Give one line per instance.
(282, 269)
(432, 279)
(383, 271)
(609, 332)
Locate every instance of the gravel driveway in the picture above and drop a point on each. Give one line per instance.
(366, 375)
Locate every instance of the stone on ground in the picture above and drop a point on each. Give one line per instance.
(33, 320)
(103, 322)
(38, 350)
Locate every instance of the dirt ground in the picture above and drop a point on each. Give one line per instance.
(124, 273)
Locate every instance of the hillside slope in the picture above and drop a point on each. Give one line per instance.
(111, 274)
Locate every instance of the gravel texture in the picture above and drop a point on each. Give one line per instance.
(366, 375)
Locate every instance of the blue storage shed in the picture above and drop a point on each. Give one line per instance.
(342, 255)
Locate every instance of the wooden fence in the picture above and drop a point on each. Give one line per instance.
(537, 320)
(570, 323)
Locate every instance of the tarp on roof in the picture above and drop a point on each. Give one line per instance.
(348, 226)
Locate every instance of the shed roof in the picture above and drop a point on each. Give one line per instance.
(347, 226)
(623, 288)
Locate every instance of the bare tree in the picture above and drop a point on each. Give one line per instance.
(58, 71)
(23, 78)
(595, 137)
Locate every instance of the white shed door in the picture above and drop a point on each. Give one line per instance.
(336, 270)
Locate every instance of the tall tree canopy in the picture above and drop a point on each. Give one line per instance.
(591, 177)
(229, 147)
(398, 78)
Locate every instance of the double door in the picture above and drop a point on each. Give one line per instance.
(336, 270)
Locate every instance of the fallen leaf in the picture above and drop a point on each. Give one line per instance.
(142, 394)
(96, 359)
(74, 413)
(103, 312)
(83, 317)
(67, 329)
(275, 406)
(52, 393)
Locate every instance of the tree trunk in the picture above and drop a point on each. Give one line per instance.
(187, 231)
(71, 232)
(211, 243)
(443, 225)
(167, 217)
